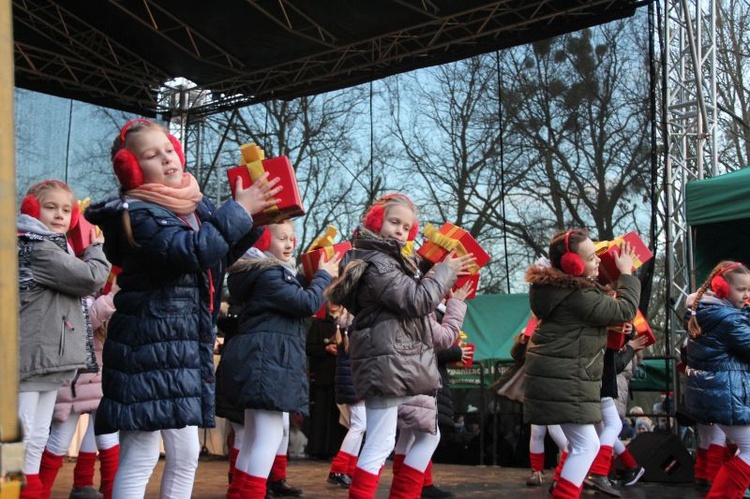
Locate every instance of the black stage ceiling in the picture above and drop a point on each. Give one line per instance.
(118, 53)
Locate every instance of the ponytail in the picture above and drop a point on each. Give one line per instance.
(126, 226)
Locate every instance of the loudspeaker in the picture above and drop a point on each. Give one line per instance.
(663, 457)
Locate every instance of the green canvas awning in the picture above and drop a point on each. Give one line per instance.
(718, 209)
(493, 320)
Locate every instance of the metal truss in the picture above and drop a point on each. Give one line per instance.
(690, 137)
(114, 51)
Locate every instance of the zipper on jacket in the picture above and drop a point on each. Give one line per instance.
(65, 323)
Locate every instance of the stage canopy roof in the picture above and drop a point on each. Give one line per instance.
(119, 53)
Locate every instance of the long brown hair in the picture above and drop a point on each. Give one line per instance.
(726, 269)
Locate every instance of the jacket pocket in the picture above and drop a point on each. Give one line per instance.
(65, 327)
(172, 307)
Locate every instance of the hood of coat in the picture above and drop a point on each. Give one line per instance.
(368, 246)
(550, 286)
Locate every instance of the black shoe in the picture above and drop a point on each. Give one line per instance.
(283, 489)
(432, 491)
(632, 475)
(602, 484)
(340, 479)
(552, 486)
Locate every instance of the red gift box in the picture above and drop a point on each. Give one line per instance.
(323, 245)
(607, 250)
(470, 362)
(449, 237)
(463, 279)
(531, 326)
(310, 259)
(82, 235)
(616, 340)
(291, 202)
(113, 273)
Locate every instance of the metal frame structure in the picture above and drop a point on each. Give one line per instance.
(689, 139)
(118, 53)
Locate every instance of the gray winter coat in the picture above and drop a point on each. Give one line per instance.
(391, 345)
(52, 328)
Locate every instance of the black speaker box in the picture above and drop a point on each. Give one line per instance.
(663, 457)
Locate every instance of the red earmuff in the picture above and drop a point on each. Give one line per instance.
(719, 284)
(125, 164)
(31, 206)
(570, 262)
(264, 241)
(376, 214)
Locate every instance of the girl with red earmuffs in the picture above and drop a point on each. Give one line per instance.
(718, 369)
(564, 356)
(390, 341)
(173, 246)
(263, 366)
(52, 282)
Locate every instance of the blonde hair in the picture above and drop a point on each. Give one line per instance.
(726, 269)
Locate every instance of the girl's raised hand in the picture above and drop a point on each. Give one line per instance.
(624, 259)
(258, 196)
(460, 264)
(331, 266)
(462, 292)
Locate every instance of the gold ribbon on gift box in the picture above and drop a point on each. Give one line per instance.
(325, 240)
(604, 246)
(447, 242)
(253, 157)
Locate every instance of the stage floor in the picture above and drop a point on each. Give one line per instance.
(465, 481)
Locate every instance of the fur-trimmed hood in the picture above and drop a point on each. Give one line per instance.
(550, 286)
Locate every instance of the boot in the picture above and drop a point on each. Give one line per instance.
(699, 475)
(352, 465)
(246, 486)
(340, 463)
(364, 485)
(32, 488)
(731, 481)
(83, 473)
(565, 490)
(233, 453)
(398, 462)
(407, 484)
(714, 460)
(109, 459)
(602, 462)
(537, 461)
(48, 469)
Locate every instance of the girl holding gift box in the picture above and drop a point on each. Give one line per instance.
(172, 245)
(419, 434)
(717, 368)
(391, 348)
(82, 396)
(52, 316)
(263, 365)
(564, 357)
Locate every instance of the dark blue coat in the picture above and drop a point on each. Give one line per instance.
(158, 357)
(718, 365)
(264, 365)
(344, 385)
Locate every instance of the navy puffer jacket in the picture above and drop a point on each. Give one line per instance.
(718, 364)
(345, 392)
(158, 358)
(264, 365)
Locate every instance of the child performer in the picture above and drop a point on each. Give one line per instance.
(419, 433)
(82, 396)
(172, 245)
(264, 364)
(564, 359)
(345, 461)
(718, 371)
(52, 324)
(391, 349)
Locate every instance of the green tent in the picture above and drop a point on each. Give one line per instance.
(718, 210)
